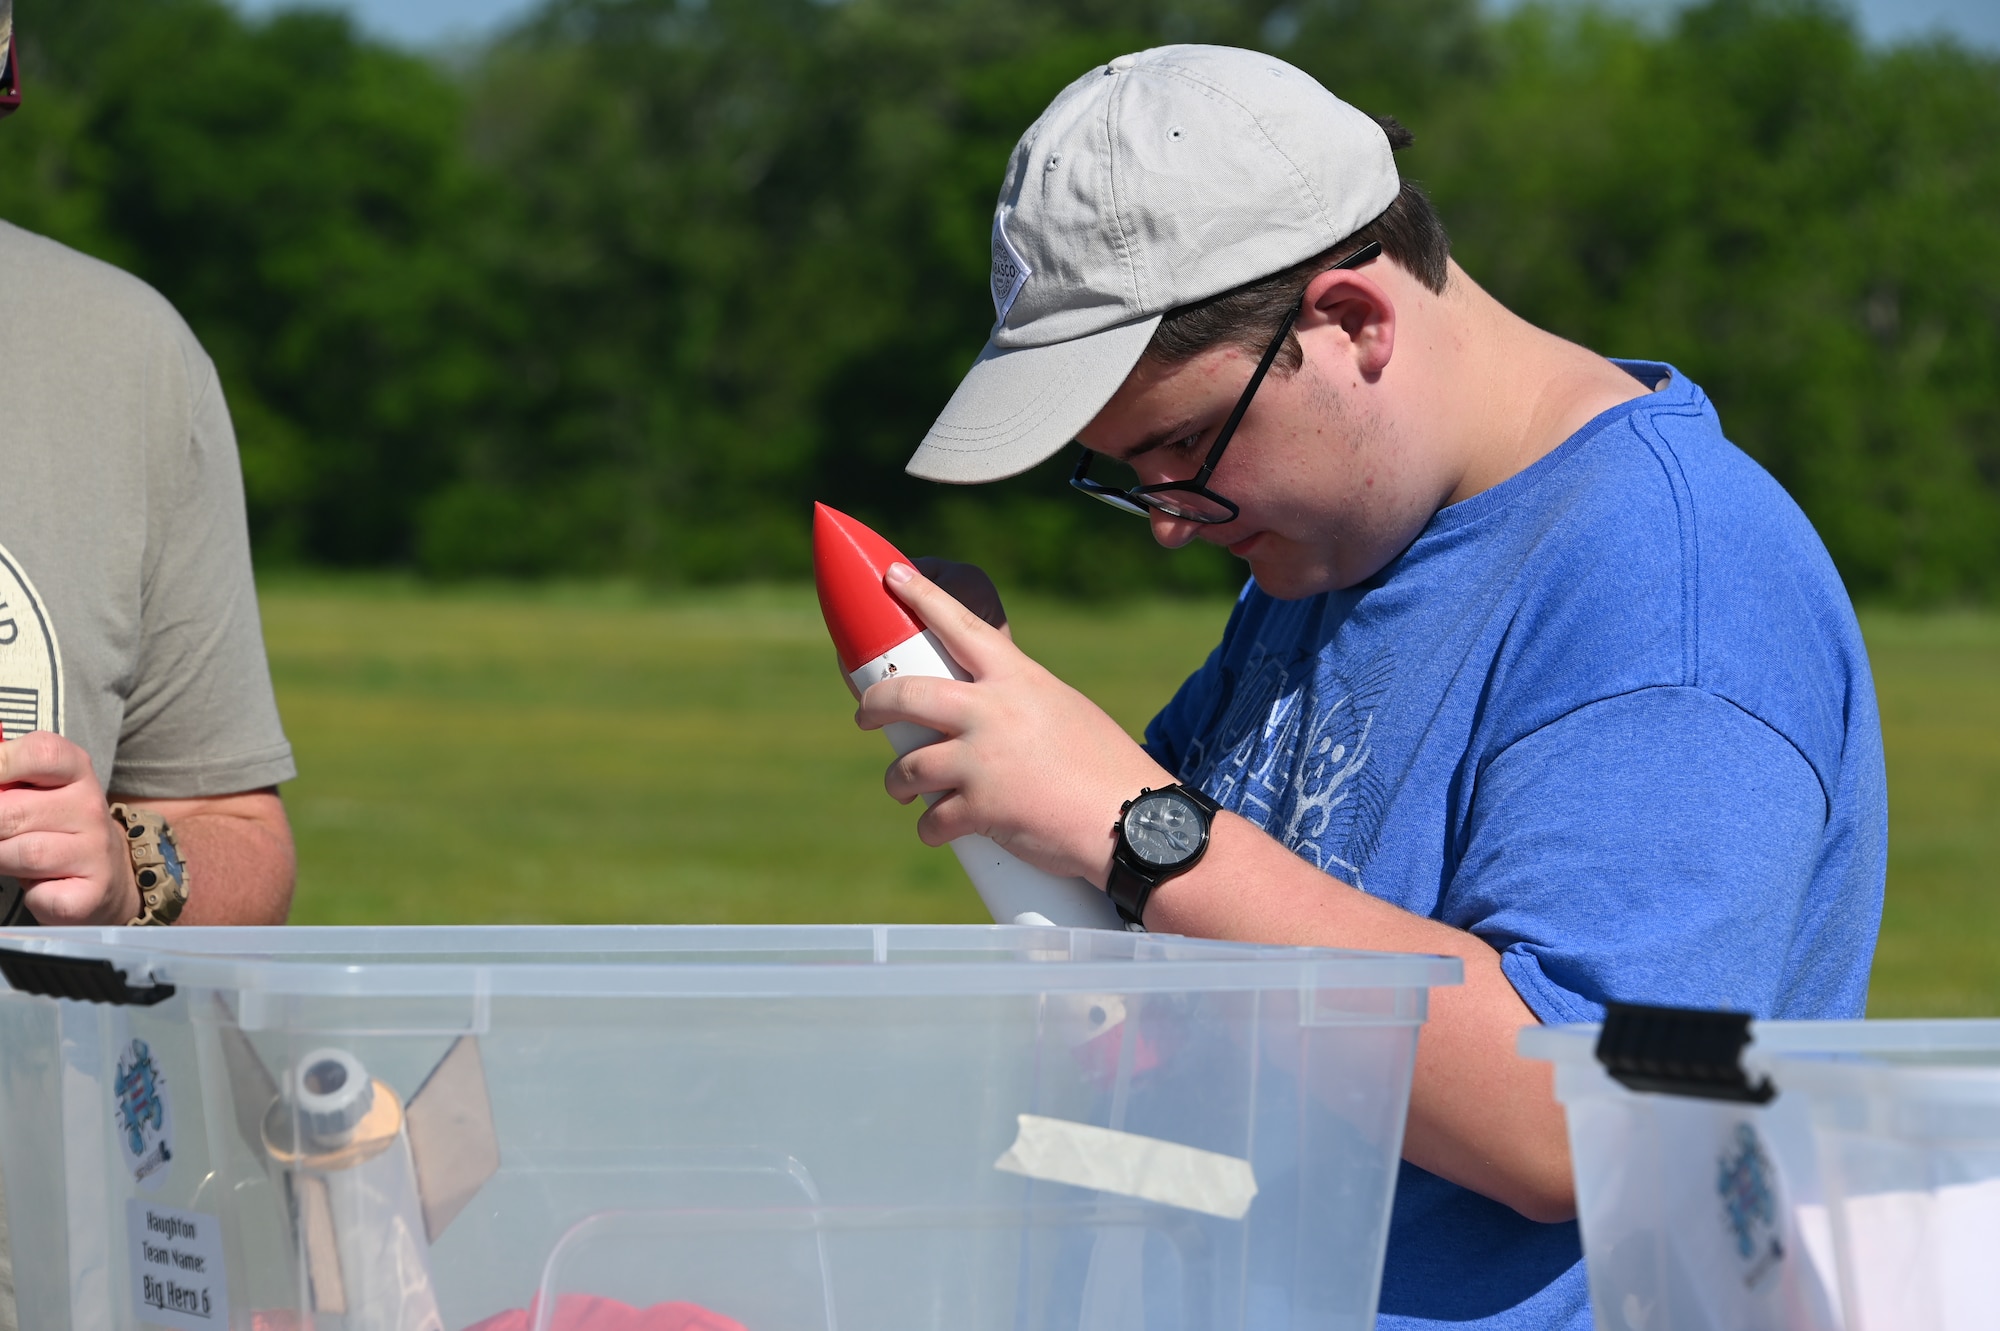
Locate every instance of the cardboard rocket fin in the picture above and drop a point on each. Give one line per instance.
(251, 1086)
(253, 1094)
(453, 1143)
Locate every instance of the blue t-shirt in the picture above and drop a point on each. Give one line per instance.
(1614, 717)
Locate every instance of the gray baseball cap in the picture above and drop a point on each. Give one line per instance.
(1162, 178)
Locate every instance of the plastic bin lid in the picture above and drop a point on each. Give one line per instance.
(1889, 1039)
(1906, 1060)
(717, 960)
(1939, 1061)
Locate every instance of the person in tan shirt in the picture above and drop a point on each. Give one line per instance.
(133, 683)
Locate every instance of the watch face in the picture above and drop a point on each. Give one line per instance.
(1164, 829)
(172, 855)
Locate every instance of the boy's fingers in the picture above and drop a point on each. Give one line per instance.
(941, 704)
(944, 822)
(972, 642)
(933, 769)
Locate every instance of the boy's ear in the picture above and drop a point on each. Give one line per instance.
(1359, 310)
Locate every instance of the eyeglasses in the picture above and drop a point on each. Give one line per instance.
(1191, 499)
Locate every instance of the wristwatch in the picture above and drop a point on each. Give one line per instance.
(157, 866)
(1161, 834)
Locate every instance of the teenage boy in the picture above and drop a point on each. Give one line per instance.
(1535, 668)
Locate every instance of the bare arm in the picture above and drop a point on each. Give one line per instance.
(1037, 766)
(239, 854)
(1480, 1115)
(58, 837)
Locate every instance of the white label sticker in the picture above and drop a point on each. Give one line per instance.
(1085, 1156)
(145, 1118)
(177, 1275)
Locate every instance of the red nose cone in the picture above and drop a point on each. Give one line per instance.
(849, 560)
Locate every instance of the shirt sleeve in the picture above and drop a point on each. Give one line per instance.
(1656, 847)
(200, 718)
(1186, 714)
(1167, 733)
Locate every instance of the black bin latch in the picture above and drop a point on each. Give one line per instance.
(1680, 1051)
(91, 979)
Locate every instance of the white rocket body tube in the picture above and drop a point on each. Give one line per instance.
(384, 1252)
(1015, 892)
(357, 1205)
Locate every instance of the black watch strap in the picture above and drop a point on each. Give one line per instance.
(1128, 889)
(1128, 885)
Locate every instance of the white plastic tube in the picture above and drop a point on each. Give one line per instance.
(1014, 891)
(360, 1212)
(384, 1254)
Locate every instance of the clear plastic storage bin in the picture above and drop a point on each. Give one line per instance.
(1908, 1129)
(1792, 1176)
(528, 1129)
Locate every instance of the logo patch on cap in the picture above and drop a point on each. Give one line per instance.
(1010, 272)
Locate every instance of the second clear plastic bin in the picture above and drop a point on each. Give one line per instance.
(777, 1129)
(1864, 1194)
(1907, 1124)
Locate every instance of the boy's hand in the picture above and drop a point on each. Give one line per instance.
(969, 586)
(1026, 759)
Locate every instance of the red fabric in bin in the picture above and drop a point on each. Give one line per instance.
(587, 1312)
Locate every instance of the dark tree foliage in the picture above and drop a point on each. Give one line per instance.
(625, 289)
(1810, 230)
(302, 197)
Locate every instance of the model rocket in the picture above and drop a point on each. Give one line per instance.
(370, 1182)
(343, 1138)
(877, 637)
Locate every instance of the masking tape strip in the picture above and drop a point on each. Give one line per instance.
(1083, 1156)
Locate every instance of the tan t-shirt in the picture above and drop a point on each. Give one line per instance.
(128, 619)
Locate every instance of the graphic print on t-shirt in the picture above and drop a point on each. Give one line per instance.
(1294, 753)
(30, 659)
(30, 679)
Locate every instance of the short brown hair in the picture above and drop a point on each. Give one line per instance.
(1409, 231)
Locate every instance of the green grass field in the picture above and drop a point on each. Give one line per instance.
(590, 755)
(1938, 679)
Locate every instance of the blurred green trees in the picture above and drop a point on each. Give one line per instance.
(303, 197)
(1809, 229)
(624, 289)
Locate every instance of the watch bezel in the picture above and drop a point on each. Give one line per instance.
(158, 871)
(1133, 878)
(1177, 794)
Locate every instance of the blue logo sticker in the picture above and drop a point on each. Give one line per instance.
(1745, 1183)
(145, 1121)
